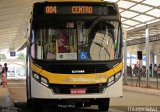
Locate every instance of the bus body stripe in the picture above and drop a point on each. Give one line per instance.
(93, 78)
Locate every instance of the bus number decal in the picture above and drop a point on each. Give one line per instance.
(51, 9)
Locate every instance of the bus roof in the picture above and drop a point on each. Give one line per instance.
(75, 0)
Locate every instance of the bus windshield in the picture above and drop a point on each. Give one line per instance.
(79, 40)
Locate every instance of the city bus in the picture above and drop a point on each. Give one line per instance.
(74, 53)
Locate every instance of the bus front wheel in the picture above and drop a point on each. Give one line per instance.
(29, 102)
(103, 104)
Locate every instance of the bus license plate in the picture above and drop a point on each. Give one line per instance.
(78, 91)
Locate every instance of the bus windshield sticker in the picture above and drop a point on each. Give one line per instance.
(83, 55)
(66, 56)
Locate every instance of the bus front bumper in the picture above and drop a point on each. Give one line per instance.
(40, 91)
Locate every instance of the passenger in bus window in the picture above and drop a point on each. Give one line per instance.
(62, 42)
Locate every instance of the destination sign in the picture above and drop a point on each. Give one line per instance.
(49, 10)
(72, 9)
(77, 9)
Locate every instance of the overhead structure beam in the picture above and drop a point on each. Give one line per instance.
(143, 27)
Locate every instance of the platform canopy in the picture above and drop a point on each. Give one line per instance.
(136, 16)
(15, 14)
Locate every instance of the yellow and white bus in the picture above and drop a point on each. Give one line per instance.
(75, 53)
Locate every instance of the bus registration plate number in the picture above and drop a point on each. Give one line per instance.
(78, 91)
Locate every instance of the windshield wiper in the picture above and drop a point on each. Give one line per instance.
(93, 24)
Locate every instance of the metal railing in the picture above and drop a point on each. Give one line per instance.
(138, 78)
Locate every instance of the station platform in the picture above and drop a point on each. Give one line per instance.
(5, 100)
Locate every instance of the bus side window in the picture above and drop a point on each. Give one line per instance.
(33, 50)
(33, 45)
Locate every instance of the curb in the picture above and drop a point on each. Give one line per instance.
(142, 90)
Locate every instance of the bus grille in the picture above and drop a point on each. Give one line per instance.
(65, 89)
(68, 69)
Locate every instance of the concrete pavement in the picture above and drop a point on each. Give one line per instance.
(5, 100)
(133, 96)
(142, 90)
(6, 105)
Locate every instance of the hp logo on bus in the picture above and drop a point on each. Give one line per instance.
(78, 71)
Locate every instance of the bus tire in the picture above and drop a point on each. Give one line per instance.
(79, 104)
(103, 104)
(29, 103)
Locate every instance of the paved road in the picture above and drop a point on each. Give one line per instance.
(17, 93)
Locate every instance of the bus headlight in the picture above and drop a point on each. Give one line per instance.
(36, 76)
(41, 79)
(44, 81)
(117, 76)
(111, 80)
(114, 78)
